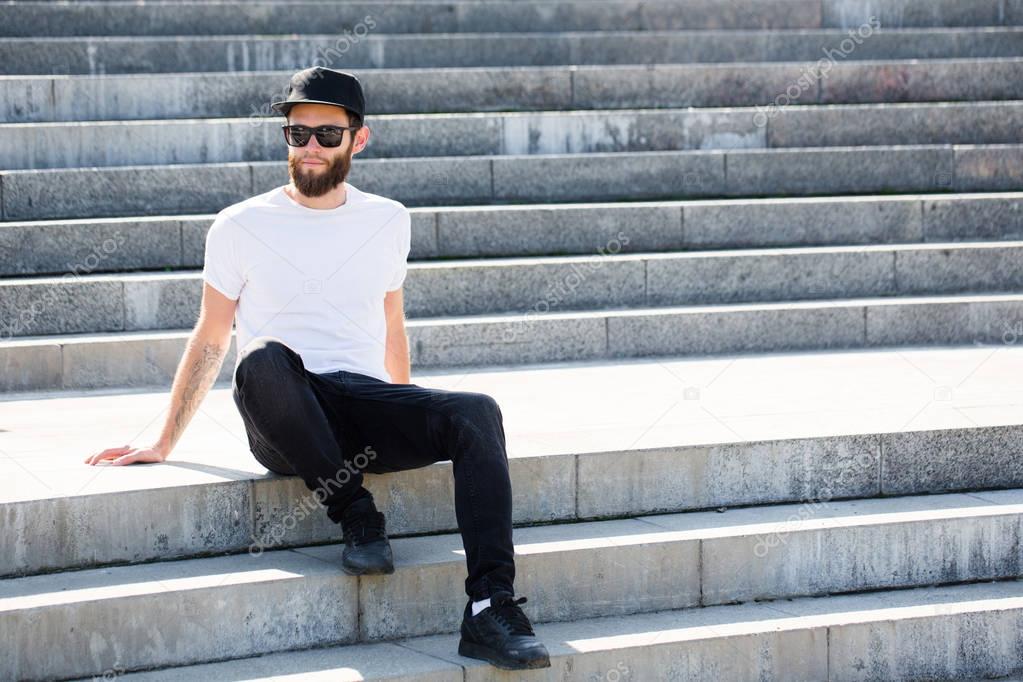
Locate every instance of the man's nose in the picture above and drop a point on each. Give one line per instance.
(313, 144)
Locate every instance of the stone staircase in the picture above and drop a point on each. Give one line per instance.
(744, 276)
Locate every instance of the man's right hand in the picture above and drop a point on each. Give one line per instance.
(129, 455)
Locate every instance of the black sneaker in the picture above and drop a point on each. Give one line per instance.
(367, 550)
(502, 635)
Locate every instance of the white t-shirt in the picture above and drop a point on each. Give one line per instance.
(315, 278)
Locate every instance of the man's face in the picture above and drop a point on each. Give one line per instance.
(315, 169)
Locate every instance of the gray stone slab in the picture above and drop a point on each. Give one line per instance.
(128, 97)
(967, 218)
(624, 131)
(27, 98)
(797, 274)
(608, 177)
(193, 239)
(522, 286)
(739, 328)
(447, 135)
(1013, 12)
(903, 13)
(802, 221)
(71, 532)
(824, 547)
(93, 246)
(400, 91)
(986, 643)
(698, 477)
(849, 170)
(126, 361)
(688, 85)
(971, 269)
(953, 459)
(138, 190)
(29, 367)
(508, 339)
(72, 303)
(970, 319)
(915, 81)
(349, 23)
(913, 123)
(594, 228)
(161, 302)
(994, 168)
(741, 14)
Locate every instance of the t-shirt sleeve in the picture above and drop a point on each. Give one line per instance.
(404, 246)
(221, 267)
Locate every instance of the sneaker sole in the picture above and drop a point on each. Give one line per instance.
(367, 571)
(472, 650)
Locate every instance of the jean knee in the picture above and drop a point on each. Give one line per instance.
(479, 409)
(470, 403)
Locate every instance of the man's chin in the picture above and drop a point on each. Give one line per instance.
(312, 189)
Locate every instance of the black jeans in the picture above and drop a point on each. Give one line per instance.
(337, 425)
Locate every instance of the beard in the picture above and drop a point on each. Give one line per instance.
(318, 183)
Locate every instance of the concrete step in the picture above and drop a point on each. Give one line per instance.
(138, 359)
(146, 243)
(949, 632)
(772, 85)
(122, 143)
(536, 285)
(461, 180)
(354, 21)
(173, 613)
(166, 54)
(675, 431)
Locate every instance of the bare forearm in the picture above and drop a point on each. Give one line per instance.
(196, 374)
(396, 359)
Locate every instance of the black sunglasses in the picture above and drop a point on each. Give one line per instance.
(327, 136)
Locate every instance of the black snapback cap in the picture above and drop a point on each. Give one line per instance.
(320, 85)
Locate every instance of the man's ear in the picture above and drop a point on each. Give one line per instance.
(364, 136)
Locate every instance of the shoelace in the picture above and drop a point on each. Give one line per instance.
(364, 529)
(508, 612)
